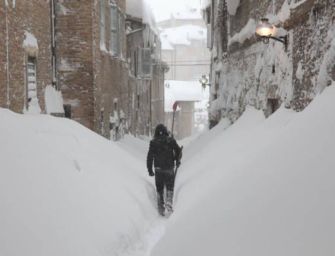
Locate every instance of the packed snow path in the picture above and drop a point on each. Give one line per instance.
(259, 187)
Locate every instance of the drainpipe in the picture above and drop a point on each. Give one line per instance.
(7, 54)
(53, 43)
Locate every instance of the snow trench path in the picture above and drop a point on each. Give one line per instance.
(146, 244)
(156, 231)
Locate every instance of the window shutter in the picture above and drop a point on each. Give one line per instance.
(31, 77)
(145, 63)
(114, 27)
(102, 24)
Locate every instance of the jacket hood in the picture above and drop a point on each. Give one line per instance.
(161, 131)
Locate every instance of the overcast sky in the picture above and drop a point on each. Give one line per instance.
(163, 8)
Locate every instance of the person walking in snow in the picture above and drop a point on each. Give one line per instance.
(164, 154)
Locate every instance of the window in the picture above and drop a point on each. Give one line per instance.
(122, 33)
(114, 43)
(102, 25)
(31, 80)
(144, 66)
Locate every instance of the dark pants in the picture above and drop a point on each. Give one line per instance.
(164, 178)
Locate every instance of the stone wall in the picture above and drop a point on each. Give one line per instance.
(250, 72)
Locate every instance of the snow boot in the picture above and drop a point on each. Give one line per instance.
(160, 203)
(169, 202)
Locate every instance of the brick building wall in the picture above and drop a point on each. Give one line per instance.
(92, 79)
(73, 27)
(18, 18)
(91, 65)
(248, 72)
(110, 72)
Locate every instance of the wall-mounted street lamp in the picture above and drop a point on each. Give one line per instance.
(204, 81)
(265, 31)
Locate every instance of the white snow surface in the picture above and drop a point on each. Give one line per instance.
(30, 40)
(182, 35)
(188, 13)
(141, 9)
(65, 190)
(259, 187)
(182, 91)
(285, 10)
(53, 100)
(246, 32)
(33, 107)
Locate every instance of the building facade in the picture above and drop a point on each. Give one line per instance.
(75, 53)
(146, 74)
(245, 71)
(184, 46)
(25, 55)
(92, 71)
(184, 49)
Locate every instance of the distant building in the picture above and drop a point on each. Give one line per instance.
(189, 15)
(184, 49)
(245, 71)
(188, 119)
(146, 75)
(184, 45)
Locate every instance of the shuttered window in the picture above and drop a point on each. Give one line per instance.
(114, 30)
(102, 24)
(145, 63)
(31, 79)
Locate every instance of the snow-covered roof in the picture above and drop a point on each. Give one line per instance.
(166, 45)
(141, 9)
(183, 12)
(182, 35)
(188, 13)
(182, 91)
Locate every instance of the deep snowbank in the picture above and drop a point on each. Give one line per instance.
(260, 187)
(67, 191)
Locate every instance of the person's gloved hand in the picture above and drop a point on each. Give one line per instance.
(151, 173)
(178, 164)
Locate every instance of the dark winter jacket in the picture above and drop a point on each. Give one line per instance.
(163, 151)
